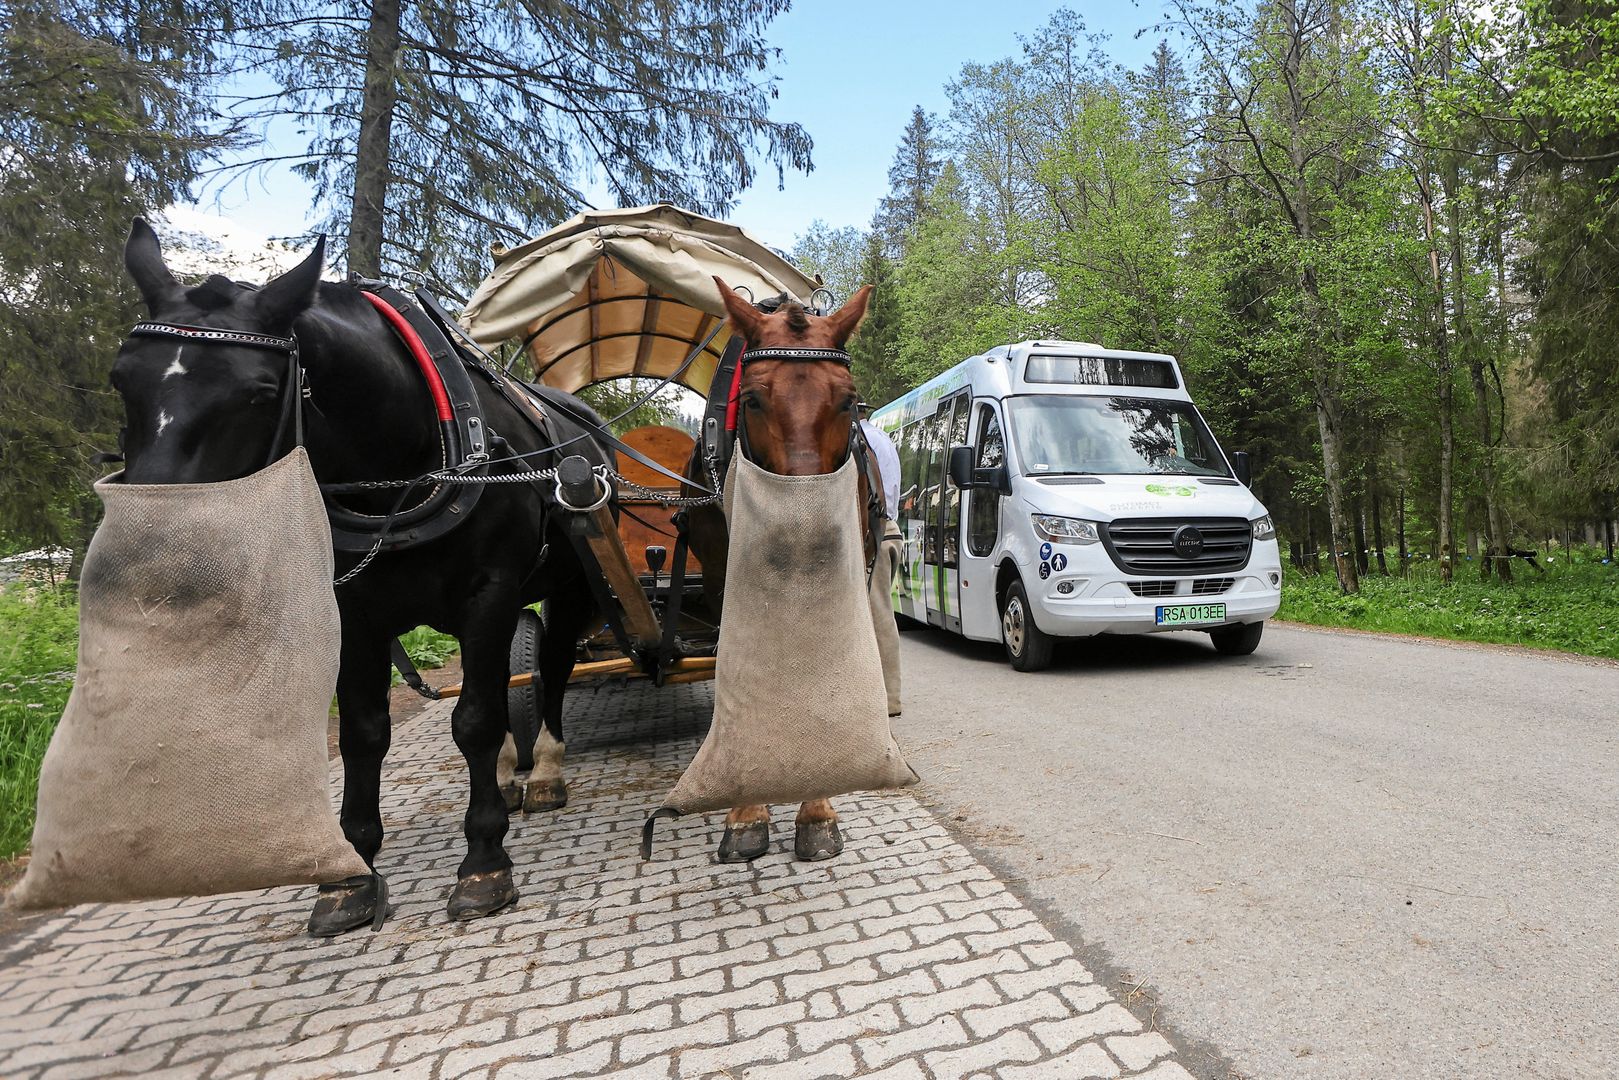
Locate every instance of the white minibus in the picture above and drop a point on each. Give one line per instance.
(1058, 489)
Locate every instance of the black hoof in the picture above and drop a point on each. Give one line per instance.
(744, 843)
(513, 794)
(543, 795)
(345, 905)
(817, 840)
(477, 895)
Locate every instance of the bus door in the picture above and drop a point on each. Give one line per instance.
(940, 586)
(980, 527)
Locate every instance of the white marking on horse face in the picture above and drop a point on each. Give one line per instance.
(163, 421)
(547, 756)
(175, 367)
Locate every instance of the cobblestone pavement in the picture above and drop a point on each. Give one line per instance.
(903, 958)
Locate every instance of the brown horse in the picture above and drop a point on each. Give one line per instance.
(797, 416)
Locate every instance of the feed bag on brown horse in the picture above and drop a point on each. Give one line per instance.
(191, 758)
(800, 708)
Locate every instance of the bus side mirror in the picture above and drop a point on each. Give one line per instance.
(1243, 468)
(961, 466)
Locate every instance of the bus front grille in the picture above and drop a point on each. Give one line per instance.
(1147, 545)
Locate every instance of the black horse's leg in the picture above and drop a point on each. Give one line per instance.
(363, 734)
(484, 884)
(565, 617)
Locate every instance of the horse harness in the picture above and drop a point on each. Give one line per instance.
(725, 432)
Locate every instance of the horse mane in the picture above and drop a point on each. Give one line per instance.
(216, 292)
(797, 318)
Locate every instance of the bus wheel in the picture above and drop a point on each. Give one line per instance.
(1239, 640)
(1027, 646)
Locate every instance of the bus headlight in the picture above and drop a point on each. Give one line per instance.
(1264, 528)
(1065, 530)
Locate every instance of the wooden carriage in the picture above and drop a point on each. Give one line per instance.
(612, 295)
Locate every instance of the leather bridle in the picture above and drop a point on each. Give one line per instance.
(293, 392)
(866, 462)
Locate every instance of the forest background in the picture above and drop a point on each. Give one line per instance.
(1380, 234)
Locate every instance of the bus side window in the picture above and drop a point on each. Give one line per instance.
(984, 504)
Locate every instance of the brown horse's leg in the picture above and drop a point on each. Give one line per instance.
(747, 834)
(817, 836)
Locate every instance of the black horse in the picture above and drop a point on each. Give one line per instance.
(204, 411)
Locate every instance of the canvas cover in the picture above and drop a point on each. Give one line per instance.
(618, 293)
(191, 757)
(800, 705)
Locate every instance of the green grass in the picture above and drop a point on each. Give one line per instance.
(1574, 606)
(39, 632)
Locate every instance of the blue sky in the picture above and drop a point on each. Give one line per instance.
(850, 72)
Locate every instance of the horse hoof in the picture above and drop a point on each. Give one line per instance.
(817, 840)
(543, 795)
(477, 895)
(343, 906)
(513, 794)
(744, 843)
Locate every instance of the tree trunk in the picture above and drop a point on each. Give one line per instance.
(1468, 346)
(1405, 556)
(1327, 421)
(371, 161)
(1361, 547)
(1377, 526)
(1447, 459)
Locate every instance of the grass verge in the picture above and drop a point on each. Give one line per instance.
(1572, 606)
(39, 633)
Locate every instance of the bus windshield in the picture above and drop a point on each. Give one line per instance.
(1092, 435)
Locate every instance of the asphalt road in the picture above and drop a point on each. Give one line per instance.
(1344, 856)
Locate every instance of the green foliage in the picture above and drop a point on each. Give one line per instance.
(493, 121)
(101, 119)
(617, 398)
(39, 631)
(428, 648)
(1574, 606)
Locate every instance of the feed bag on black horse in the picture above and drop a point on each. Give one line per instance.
(191, 758)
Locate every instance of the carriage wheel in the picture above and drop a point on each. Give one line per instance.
(524, 703)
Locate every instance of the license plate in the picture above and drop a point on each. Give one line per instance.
(1178, 614)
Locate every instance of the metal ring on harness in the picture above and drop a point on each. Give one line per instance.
(607, 493)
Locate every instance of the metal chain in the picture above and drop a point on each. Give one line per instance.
(602, 472)
(657, 494)
(531, 475)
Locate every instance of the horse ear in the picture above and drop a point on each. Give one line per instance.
(288, 296)
(846, 320)
(744, 316)
(143, 258)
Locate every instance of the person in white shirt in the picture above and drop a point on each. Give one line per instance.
(888, 559)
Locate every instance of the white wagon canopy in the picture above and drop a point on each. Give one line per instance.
(617, 293)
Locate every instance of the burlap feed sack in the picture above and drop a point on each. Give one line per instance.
(882, 610)
(191, 758)
(799, 701)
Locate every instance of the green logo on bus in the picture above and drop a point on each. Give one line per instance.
(1183, 490)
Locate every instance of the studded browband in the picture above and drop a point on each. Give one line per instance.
(216, 336)
(837, 355)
